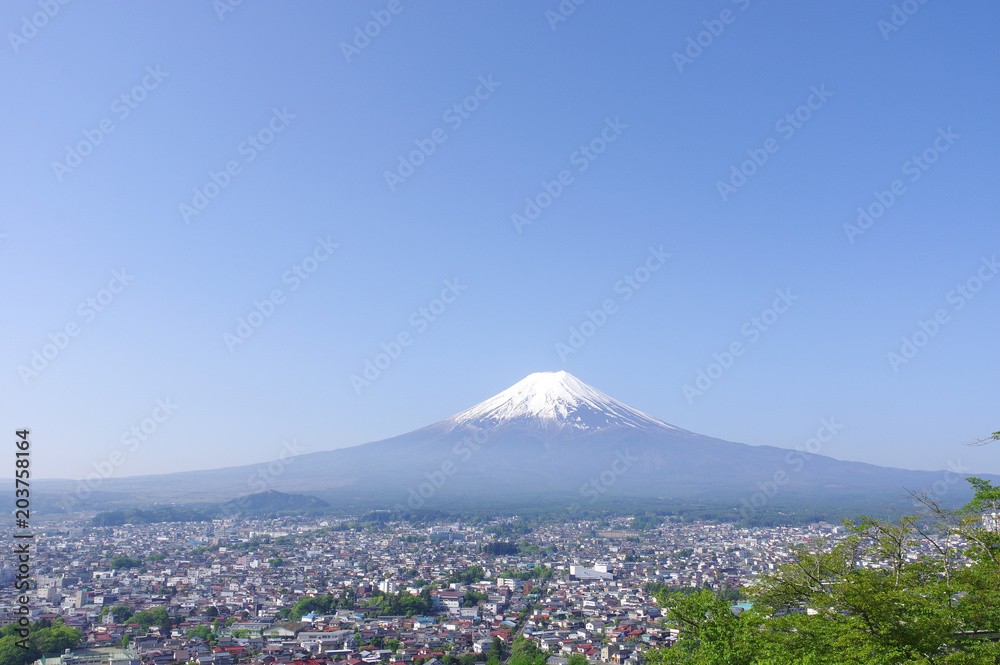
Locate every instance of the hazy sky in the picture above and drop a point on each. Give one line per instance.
(473, 179)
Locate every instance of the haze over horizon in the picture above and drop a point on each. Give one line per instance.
(747, 310)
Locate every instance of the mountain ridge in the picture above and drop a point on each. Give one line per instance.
(548, 438)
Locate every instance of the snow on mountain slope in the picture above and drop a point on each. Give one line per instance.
(553, 401)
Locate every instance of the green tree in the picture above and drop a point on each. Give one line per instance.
(122, 613)
(710, 632)
(865, 599)
(155, 617)
(12, 654)
(524, 652)
(470, 576)
(56, 638)
(204, 632)
(320, 604)
(44, 638)
(120, 562)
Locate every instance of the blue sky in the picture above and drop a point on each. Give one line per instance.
(642, 139)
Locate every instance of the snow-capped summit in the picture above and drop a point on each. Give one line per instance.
(553, 401)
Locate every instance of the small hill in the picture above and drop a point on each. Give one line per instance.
(272, 503)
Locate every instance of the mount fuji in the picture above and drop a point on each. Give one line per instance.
(551, 439)
(551, 403)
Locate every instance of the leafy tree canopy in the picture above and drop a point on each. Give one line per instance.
(867, 599)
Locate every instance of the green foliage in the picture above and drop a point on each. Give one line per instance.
(509, 529)
(730, 595)
(824, 607)
(524, 652)
(43, 639)
(155, 617)
(319, 604)
(404, 603)
(538, 572)
(663, 591)
(204, 632)
(710, 632)
(501, 549)
(122, 613)
(120, 562)
(644, 522)
(269, 504)
(577, 659)
(469, 576)
(472, 598)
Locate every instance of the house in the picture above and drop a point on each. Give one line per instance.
(290, 629)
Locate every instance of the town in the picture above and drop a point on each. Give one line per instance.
(317, 590)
